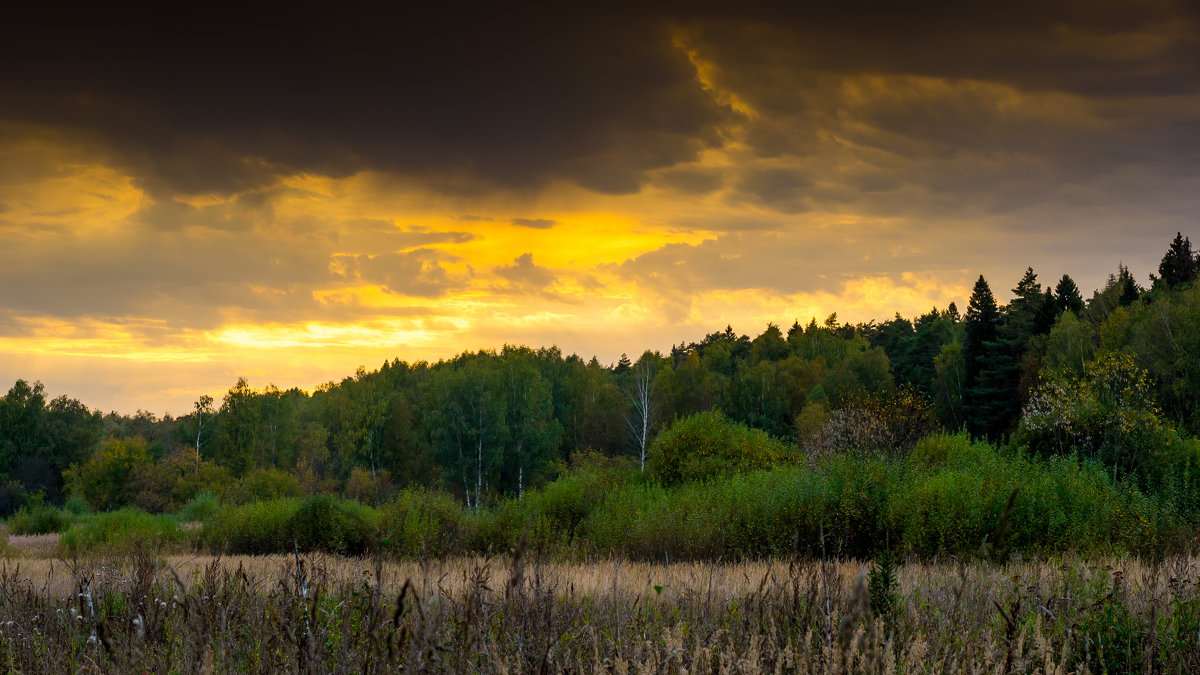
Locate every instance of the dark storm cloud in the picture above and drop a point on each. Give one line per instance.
(691, 180)
(221, 98)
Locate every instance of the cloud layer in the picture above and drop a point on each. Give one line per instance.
(246, 190)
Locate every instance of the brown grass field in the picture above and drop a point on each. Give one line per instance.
(320, 613)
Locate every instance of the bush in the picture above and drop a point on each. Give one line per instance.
(425, 522)
(262, 484)
(76, 506)
(948, 498)
(708, 444)
(1105, 413)
(552, 517)
(37, 517)
(887, 424)
(1061, 504)
(168, 484)
(369, 487)
(123, 531)
(254, 528)
(318, 523)
(105, 479)
(203, 507)
(324, 523)
(942, 450)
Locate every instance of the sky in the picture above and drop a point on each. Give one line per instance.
(287, 192)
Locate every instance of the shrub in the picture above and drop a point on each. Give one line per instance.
(255, 528)
(1106, 413)
(203, 507)
(324, 523)
(1061, 504)
(369, 487)
(37, 517)
(887, 424)
(941, 450)
(419, 521)
(105, 479)
(168, 484)
(76, 506)
(123, 531)
(318, 523)
(262, 484)
(708, 444)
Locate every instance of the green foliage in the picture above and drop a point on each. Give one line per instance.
(887, 424)
(324, 523)
(1106, 413)
(884, 587)
(419, 522)
(125, 530)
(1061, 504)
(554, 516)
(947, 498)
(105, 479)
(37, 517)
(238, 429)
(260, 527)
(167, 484)
(76, 506)
(368, 488)
(262, 484)
(708, 444)
(201, 508)
(941, 450)
(317, 523)
(1179, 264)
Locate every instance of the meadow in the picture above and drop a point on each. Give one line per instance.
(958, 557)
(320, 613)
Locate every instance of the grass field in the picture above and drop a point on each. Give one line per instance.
(322, 613)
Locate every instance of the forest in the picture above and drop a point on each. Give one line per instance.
(1024, 479)
(1047, 371)
(489, 424)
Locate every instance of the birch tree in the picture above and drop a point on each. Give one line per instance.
(642, 413)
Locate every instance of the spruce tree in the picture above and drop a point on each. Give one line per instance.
(1129, 288)
(981, 322)
(1067, 295)
(1179, 264)
(1047, 313)
(996, 391)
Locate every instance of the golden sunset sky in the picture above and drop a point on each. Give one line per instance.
(286, 194)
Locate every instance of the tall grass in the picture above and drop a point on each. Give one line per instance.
(137, 615)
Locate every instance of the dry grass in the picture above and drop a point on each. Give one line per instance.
(38, 546)
(322, 613)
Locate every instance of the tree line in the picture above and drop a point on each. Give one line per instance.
(489, 424)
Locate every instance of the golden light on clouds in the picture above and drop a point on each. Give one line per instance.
(607, 185)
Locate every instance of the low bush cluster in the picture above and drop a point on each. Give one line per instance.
(38, 517)
(122, 531)
(317, 523)
(708, 444)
